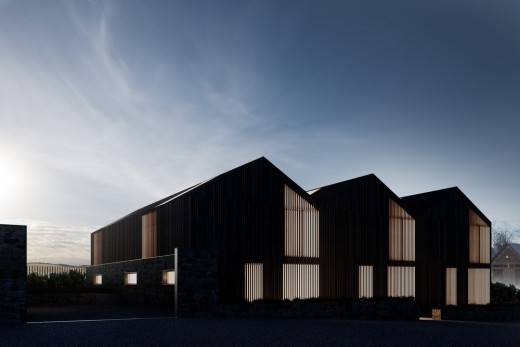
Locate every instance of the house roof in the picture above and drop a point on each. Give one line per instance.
(432, 197)
(515, 247)
(329, 192)
(194, 188)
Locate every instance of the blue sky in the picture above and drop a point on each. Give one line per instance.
(106, 106)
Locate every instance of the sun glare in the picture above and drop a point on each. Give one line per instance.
(10, 178)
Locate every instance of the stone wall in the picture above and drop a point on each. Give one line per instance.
(489, 313)
(197, 281)
(363, 309)
(149, 289)
(13, 273)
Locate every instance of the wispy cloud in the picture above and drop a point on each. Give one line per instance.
(57, 244)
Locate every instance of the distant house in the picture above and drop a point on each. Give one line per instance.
(505, 266)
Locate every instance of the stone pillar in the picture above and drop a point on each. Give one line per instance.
(13, 273)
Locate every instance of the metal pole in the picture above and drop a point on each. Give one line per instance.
(176, 264)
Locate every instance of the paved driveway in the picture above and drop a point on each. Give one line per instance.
(156, 331)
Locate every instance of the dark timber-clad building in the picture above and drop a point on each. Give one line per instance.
(367, 241)
(263, 226)
(453, 241)
(257, 234)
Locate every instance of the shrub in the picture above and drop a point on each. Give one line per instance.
(504, 294)
(56, 282)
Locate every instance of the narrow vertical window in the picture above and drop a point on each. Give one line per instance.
(365, 281)
(401, 233)
(97, 248)
(149, 235)
(254, 281)
(301, 226)
(451, 286)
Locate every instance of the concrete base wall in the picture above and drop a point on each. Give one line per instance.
(13, 273)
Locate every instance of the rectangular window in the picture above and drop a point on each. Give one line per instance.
(479, 286)
(98, 280)
(365, 281)
(168, 277)
(479, 239)
(130, 278)
(254, 281)
(401, 281)
(401, 233)
(301, 226)
(149, 235)
(301, 281)
(451, 286)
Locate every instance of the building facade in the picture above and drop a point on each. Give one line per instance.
(272, 240)
(367, 241)
(453, 242)
(264, 227)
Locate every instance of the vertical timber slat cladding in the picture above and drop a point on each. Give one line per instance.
(149, 235)
(360, 219)
(366, 281)
(402, 234)
(241, 214)
(450, 233)
(479, 288)
(479, 239)
(254, 283)
(451, 286)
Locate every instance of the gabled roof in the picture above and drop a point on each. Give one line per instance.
(430, 198)
(515, 247)
(327, 193)
(194, 188)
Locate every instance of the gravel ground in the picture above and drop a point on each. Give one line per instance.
(167, 331)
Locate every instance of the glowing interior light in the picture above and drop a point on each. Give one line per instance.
(131, 278)
(168, 277)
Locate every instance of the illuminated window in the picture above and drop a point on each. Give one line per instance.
(401, 281)
(254, 281)
(301, 281)
(479, 239)
(98, 280)
(479, 286)
(130, 278)
(97, 244)
(365, 281)
(301, 226)
(149, 235)
(401, 233)
(451, 286)
(168, 277)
